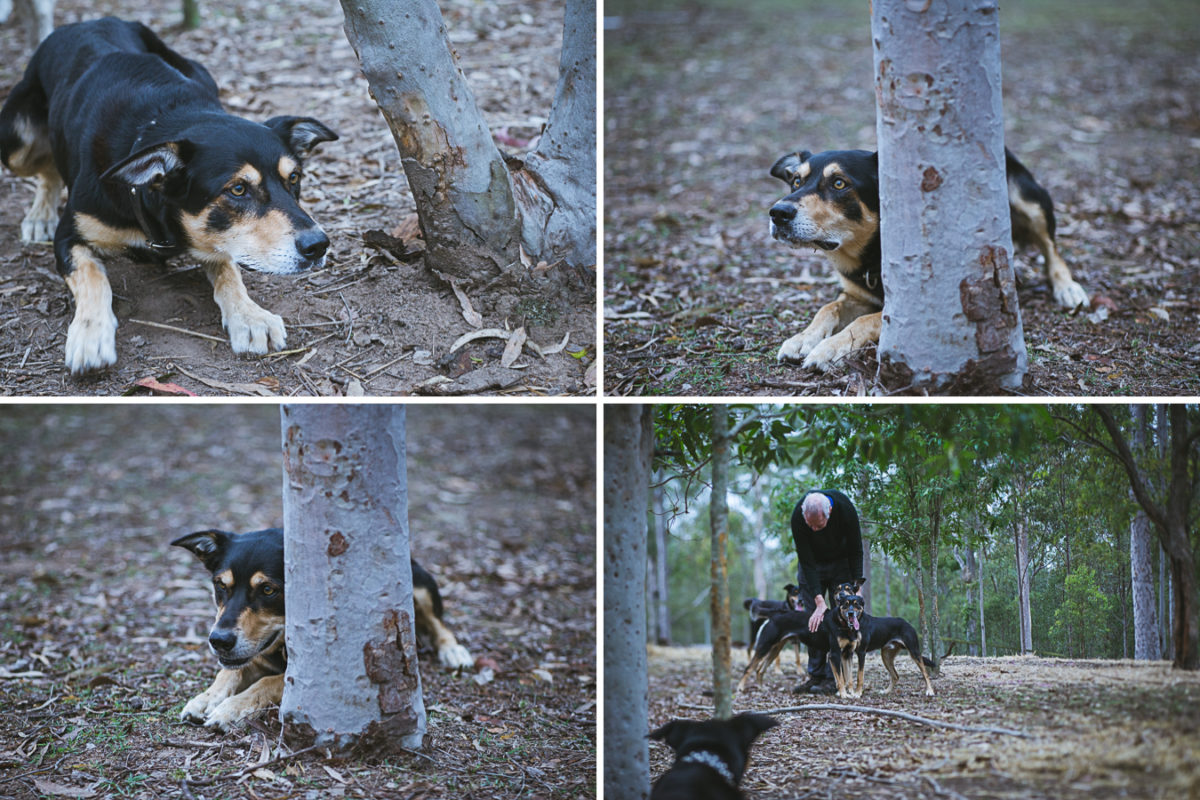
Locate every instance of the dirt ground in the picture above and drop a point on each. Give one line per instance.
(366, 323)
(1102, 102)
(103, 625)
(1093, 729)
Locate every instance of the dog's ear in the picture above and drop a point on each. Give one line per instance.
(785, 168)
(205, 545)
(749, 726)
(301, 134)
(858, 584)
(150, 167)
(672, 733)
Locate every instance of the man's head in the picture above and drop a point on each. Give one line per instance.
(816, 510)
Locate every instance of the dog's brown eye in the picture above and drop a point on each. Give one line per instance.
(238, 189)
(839, 184)
(294, 178)
(269, 591)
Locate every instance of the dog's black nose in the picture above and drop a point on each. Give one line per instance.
(222, 639)
(312, 243)
(783, 212)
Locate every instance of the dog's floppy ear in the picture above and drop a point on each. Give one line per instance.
(149, 167)
(301, 134)
(785, 168)
(672, 733)
(750, 725)
(205, 545)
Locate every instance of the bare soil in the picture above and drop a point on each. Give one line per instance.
(365, 324)
(1102, 104)
(103, 625)
(1093, 729)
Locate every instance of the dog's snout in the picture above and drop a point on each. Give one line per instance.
(312, 243)
(222, 639)
(782, 213)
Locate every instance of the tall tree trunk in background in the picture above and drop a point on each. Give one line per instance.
(352, 674)
(950, 321)
(887, 581)
(1171, 516)
(662, 607)
(718, 518)
(1024, 584)
(474, 210)
(982, 621)
(628, 448)
(1141, 549)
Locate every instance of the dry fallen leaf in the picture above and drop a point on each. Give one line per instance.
(512, 350)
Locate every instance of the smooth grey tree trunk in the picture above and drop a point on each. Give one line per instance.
(662, 611)
(628, 447)
(474, 212)
(1024, 584)
(718, 597)
(1141, 550)
(352, 676)
(951, 321)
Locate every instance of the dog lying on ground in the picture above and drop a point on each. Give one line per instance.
(834, 206)
(762, 610)
(854, 633)
(248, 635)
(155, 167)
(710, 757)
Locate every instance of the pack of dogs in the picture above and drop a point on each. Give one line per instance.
(248, 635)
(833, 206)
(155, 168)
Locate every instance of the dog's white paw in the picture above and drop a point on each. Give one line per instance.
(1070, 294)
(38, 229)
(796, 348)
(825, 355)
(456, 656)
(196, 709)
(221, 718)
(255, 330)
(92, 340)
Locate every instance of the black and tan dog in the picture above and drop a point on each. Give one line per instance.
(834, 206)
(854, 633)
(248, 635)
(155, 167)
(762, 610)
(790, 627)
(710, 756)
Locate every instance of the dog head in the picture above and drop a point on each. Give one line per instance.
(233, 187)
(721, 744)
(834, 201)
(793, 598)
(247, 579)
(849, 605)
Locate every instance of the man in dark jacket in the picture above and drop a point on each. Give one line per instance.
(828, 543)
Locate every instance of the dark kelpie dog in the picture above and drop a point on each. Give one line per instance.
(775, 634)
(833, 205)
(248, 635)
(762, 610)
(710, 756)
(155, 167)
(852, 632)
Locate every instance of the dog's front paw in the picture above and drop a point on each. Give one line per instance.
(1070, 294)
(255, 330)
(92, 340)
(796, 348)
(825, 355)
(222, 718)
(38, 228)
(196, 710)
(455, 656)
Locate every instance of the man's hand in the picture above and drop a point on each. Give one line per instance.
(818, 614)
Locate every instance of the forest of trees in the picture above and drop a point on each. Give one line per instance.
(952, 499)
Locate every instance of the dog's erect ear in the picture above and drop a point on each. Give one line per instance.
(672, 733)
(858, 584)
(785, 168)
(150, 167)
(749, 726)
(205, 545)
(301, 134)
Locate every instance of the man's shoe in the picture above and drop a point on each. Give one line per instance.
(804, 688)
(824, 687)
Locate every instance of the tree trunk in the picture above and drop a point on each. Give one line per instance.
(982, 622)
(473, 211)
(950, 321)
(662, 608)
(1024, 584)
(718, 518)
(1141, 548)
(352, 673)
(628, 447)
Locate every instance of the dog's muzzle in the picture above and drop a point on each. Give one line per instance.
(788, 226)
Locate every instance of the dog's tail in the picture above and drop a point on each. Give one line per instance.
(934, 669)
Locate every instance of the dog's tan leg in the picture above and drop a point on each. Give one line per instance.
(888, 655)
(39, 224)
(858, 334)
(224, 687)
(450, 652)
(92, 334)
(924, 673)
(1067, 291)
(825, 322)
(754, 662)
(251, 328)
(263, 693)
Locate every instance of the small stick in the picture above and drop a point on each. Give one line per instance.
(179, 330)
(884, 712)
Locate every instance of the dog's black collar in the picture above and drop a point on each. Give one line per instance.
(164, 247)
(713, 762)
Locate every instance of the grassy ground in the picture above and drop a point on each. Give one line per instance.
(1102, 102)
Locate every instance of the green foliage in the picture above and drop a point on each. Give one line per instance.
(1079, 621)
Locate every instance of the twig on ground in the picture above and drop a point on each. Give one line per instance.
(934, 723)
(244, 771)
(177, 329)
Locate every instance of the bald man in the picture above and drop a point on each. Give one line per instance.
(829, 550)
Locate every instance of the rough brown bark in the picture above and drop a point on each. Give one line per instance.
(718, 517)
